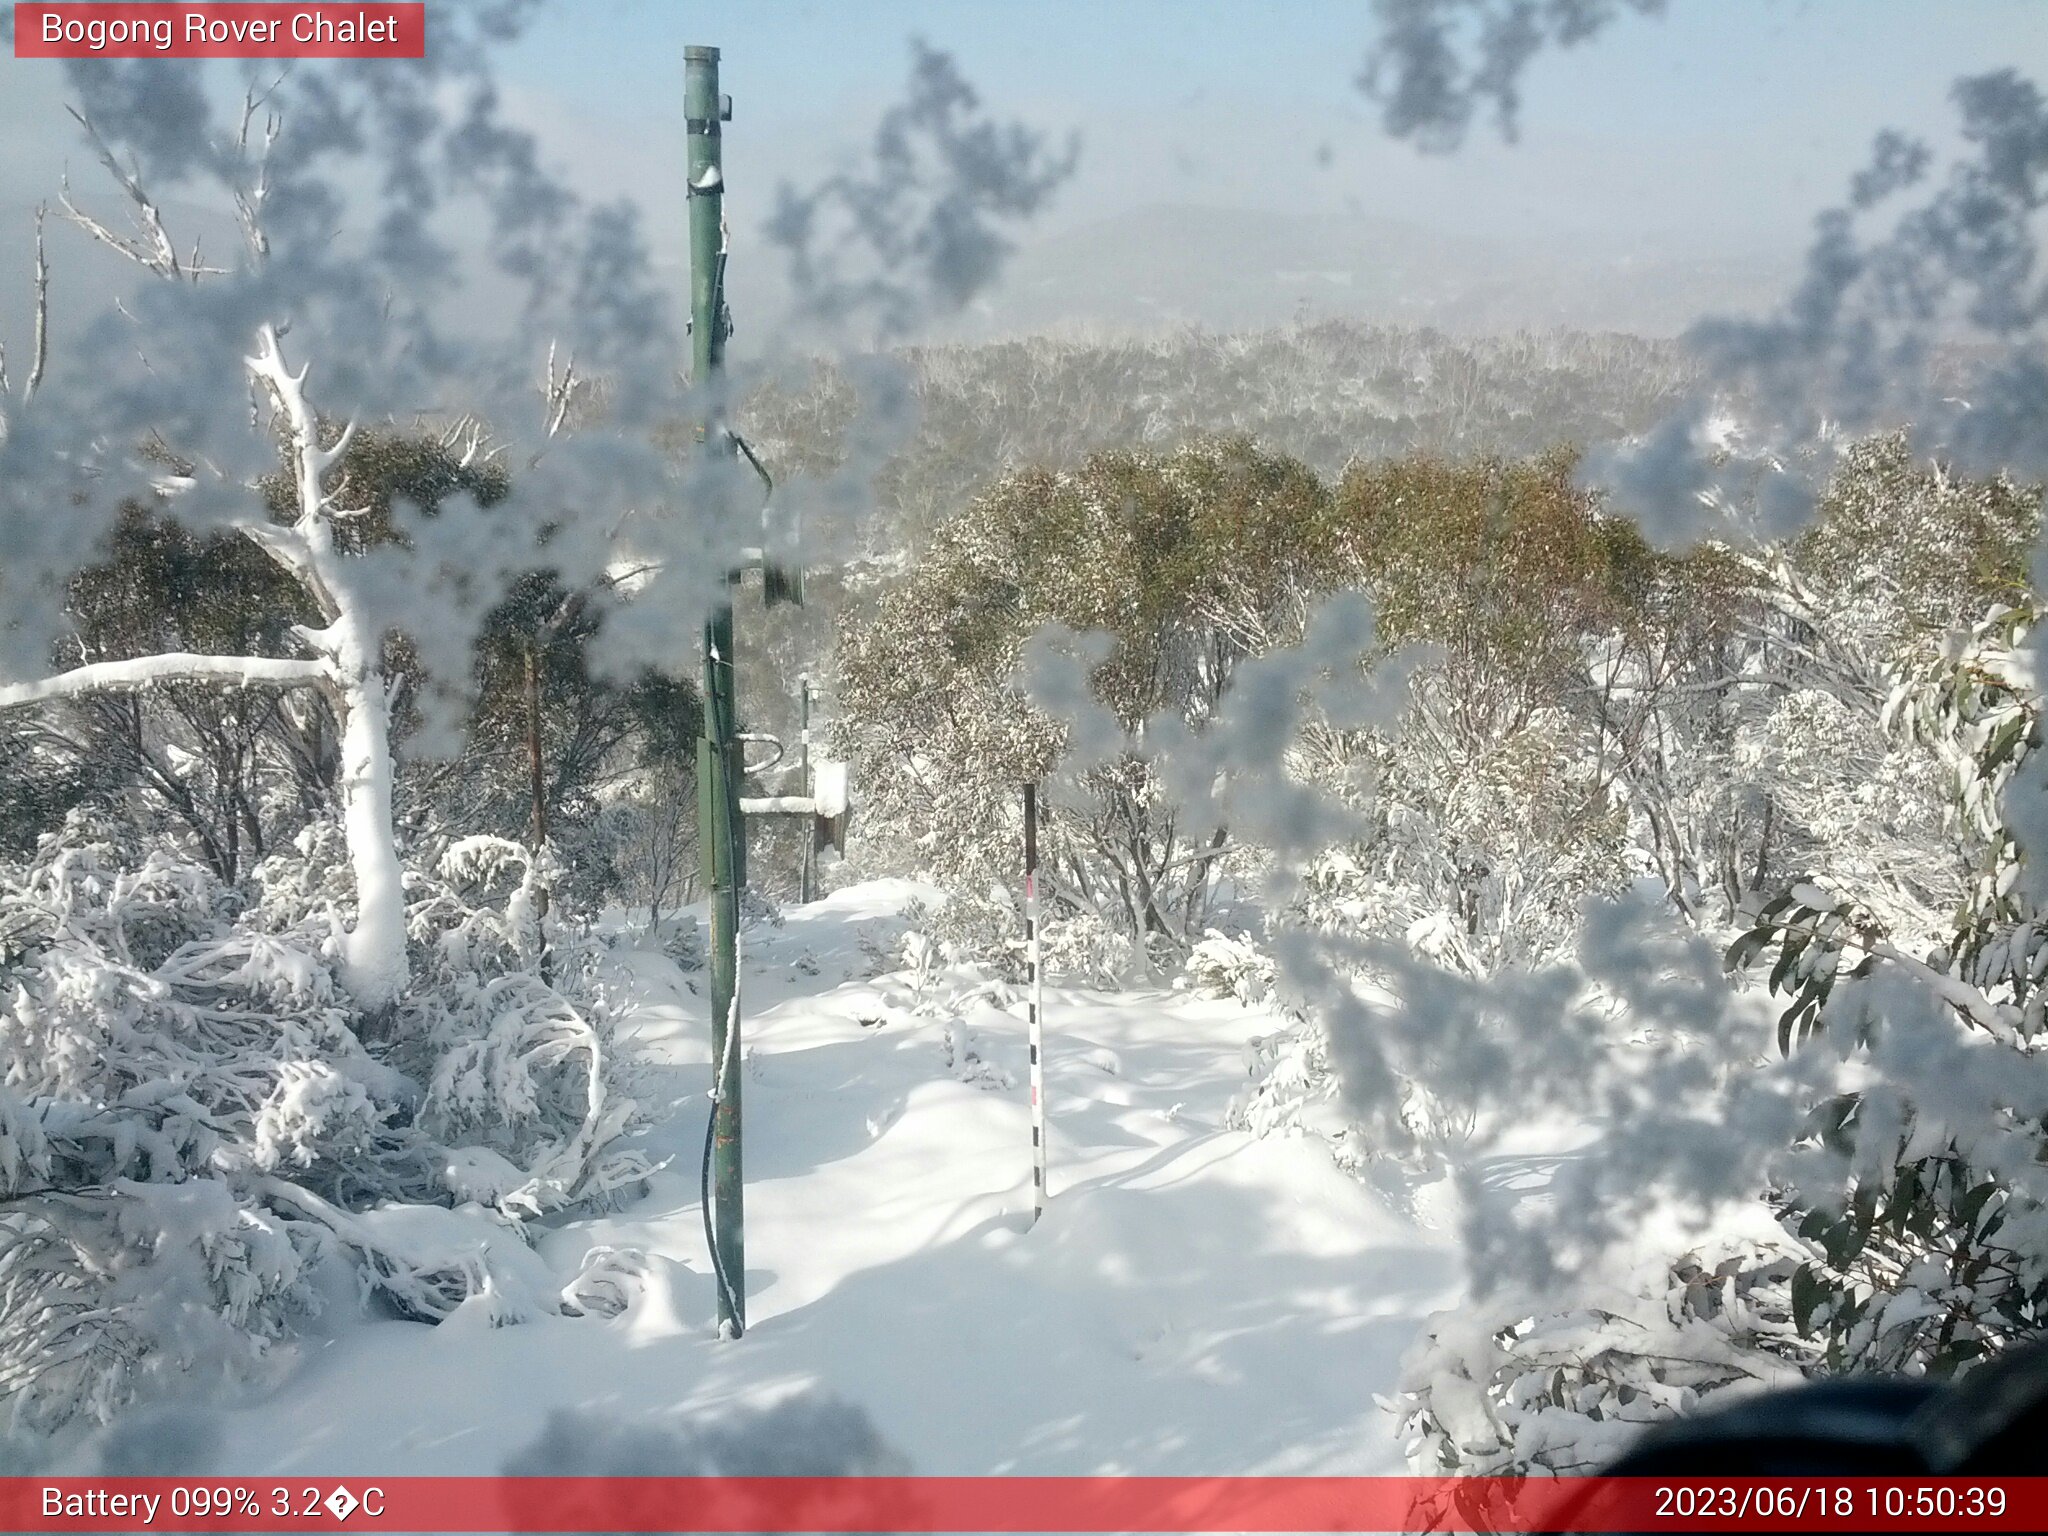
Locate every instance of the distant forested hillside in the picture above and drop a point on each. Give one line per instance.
(1326, 394)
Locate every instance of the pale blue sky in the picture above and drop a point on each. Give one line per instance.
(1727, 121)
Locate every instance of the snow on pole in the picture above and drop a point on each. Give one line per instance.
(1037, 1002)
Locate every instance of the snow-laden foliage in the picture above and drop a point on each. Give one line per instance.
(1930, 1207)
(1493, 1390)
(983, 931)
(1477, 855)
(1911, 1205)
(1897, 1124)
(1225, 965)
(1605, 713)
(1191, 562)
(946, 977)
(193, 1128)
(353, 1034)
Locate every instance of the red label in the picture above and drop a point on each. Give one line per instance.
(265, 30)
(1045, 1504)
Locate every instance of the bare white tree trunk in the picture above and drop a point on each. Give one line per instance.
(375, 967)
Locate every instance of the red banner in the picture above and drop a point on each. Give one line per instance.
(320, 30)
(1005, 1504)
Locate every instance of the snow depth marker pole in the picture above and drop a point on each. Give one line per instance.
(807, 877)
(1037, 1003)
(720, 830)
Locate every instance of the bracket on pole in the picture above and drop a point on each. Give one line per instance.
(828, 805)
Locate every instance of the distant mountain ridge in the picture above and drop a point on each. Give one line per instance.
(1154, 269)
(1168, 265)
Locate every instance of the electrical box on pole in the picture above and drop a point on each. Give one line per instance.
(721, 830)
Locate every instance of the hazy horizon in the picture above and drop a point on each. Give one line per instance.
(1672, 171)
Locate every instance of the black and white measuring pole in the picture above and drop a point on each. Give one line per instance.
(1037, 1002)
(807, 876)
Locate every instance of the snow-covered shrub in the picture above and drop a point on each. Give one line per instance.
(1294, 1090)
(945, 978)
(759, 910)
(1499, 1390)
(116, 1287)
(681, 938)
(606, 1283)
(1225, 965)
(1478, 858)
(148, 1046)
(1908, 1193)
(1291, 1087)
(1863, 807)
(1083, 947)
(1602, 713)
(965, 1053)
(192, 1127)
(969, 928)
(1290, 1076)
(1921, 1180)
(511, 1028)
(981, 936)
(920, 954)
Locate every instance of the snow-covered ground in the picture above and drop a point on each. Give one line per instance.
(1195, 1300)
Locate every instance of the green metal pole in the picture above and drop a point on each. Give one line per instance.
(720, 828)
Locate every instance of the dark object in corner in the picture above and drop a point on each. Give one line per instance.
(1992, 1422)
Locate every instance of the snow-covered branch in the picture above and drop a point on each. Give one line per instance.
(311, 462)
(155, 251)
(157, 671)
(249, 200)
(560, 391)
(39, 358)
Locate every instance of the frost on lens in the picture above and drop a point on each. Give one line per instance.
(1600, 777)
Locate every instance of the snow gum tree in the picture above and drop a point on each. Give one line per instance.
(340, 654)
(1188, 562)
(206, 342)
(217, 1094)
(1497, 810)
